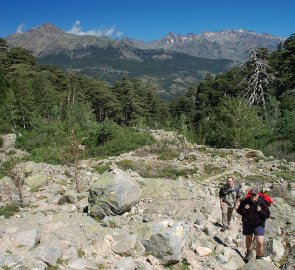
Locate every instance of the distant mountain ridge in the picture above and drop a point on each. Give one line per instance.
(173, 63)
(226, 44)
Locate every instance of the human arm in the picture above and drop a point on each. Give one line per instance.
(263, 210)
(221, 197)
(243, 207)
(237, 203)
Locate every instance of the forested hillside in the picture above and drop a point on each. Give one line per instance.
(53, 111)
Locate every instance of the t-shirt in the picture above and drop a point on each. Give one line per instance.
(229, 195)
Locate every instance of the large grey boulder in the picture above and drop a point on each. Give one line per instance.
(8, 260)
(289, 265)
(275, 249)
(164, 239)
(82, 263)
(259, 265)
(28, 238)
(47, 254)
(125, 264)
(114, 193)
(8, 141)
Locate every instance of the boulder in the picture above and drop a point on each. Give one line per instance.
(259, 265)
(289, 265)
(82, 263)
(47, 254)
(125, 264)
(8, 141)
(8, 260)
(28, 238)
(114, 193)
(164, 239)
(276, 249)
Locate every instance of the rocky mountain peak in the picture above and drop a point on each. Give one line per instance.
(170, 38)
(47, 28)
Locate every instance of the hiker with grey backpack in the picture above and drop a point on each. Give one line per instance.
(229, 196)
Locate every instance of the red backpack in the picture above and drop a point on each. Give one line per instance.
(266, 198)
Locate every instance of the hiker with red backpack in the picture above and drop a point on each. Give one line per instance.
(254, 211)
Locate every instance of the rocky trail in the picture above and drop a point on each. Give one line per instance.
(153, 208)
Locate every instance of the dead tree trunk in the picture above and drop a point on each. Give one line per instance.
(257, 80)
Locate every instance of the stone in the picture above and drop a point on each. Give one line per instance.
(28, 238)
(203, 251)
(114, 193)
(164, 239)
(47, 254)
(82, 263)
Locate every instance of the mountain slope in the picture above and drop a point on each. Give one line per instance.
(228, 44)
(172, 63)
(173, 72)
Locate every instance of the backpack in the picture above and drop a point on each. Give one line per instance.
(266, 198)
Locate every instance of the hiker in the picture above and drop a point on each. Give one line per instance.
(254, 212)
(229, 197)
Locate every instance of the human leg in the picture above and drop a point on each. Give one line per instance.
(248, 231)
(249, 241)
(229, 214)
(224, 210)
(259, 237)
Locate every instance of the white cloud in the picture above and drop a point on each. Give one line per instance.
(108, 32)
(20, 28)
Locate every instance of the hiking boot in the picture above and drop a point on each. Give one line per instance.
(247, 257)
(224, 228)
(258, 257)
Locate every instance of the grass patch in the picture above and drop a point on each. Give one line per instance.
(256, 179)
(286, 175)
(81, 253)
(178, 266)
(126, 164)
(154, 170)
(168, 154)
(211, 169)
(102, 168)
(166, 149)
(11, 152)
(9, 210)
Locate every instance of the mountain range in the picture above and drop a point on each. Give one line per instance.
(173, 63)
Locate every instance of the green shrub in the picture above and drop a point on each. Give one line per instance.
(47, 154)
(102, 168)
(9, 210)
(125, 140)
(281, 149)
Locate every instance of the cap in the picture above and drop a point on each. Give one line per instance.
(254, 190)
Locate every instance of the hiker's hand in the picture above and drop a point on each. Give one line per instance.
(258, 208)
(221, 204)
(247, 206)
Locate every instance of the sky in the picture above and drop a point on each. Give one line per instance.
(148, 20)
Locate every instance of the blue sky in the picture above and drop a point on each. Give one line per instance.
(148, 19)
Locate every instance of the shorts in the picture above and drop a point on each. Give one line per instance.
(256, 230)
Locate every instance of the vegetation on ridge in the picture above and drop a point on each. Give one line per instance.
(45, 105)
